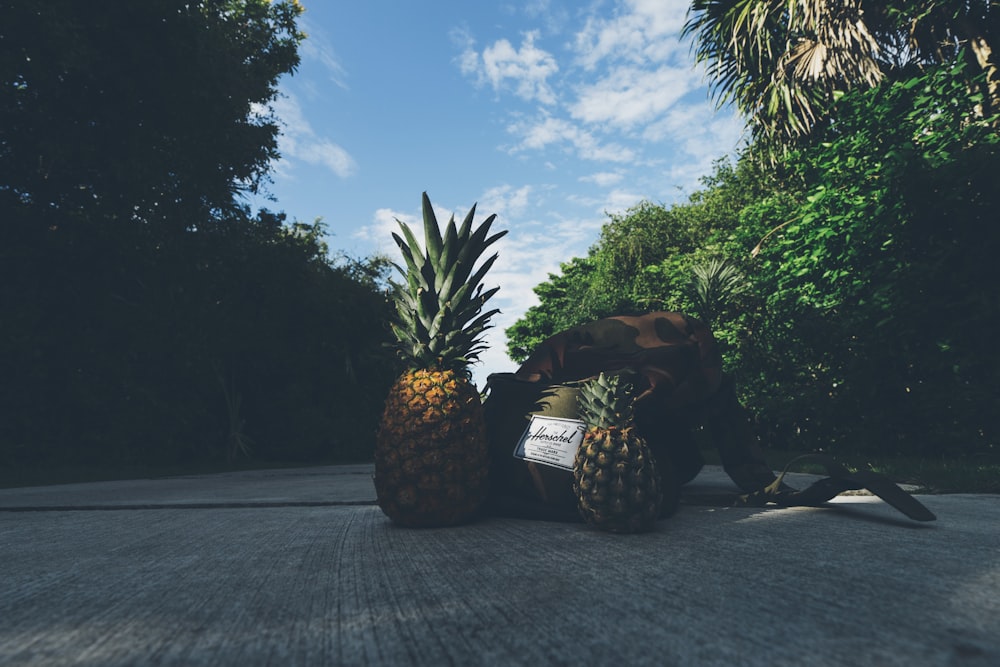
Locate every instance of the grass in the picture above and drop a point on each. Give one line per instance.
(939, 476)
(970, 475)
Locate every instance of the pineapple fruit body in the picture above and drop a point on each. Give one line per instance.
(615, 478)
(431, 452)
(431, 456)
(616, 482)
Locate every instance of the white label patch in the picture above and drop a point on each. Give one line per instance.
(551, 440)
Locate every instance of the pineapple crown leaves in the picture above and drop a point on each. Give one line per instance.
(607, 400)
(439, 309)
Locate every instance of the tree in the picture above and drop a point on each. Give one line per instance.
(784, 63)
(874, 269)
(942, 32)
(781, 61)
(149, 316)
(885, 117)
(152, 111)
(864, 324)
(644, 235)
(642, 261)
(565, 301)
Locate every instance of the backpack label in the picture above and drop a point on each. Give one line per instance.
(551, 441)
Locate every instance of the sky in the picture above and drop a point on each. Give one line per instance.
(551, 114)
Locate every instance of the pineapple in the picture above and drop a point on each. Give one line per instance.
(431, 454)
(615, 479)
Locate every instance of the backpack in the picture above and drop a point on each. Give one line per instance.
(681, 391)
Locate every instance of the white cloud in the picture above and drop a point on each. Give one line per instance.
(620, 97)
(537, 8)
(532, 251)
(316, 47)
(615, 201)
(541, 134)
(589, 148)
(603, 179)
(468, 59)
(700, 131)
(299, 141)
(629, 96)
(640, 31)
(526, 69)
(385, 222)
(618, 200)
(383, 225)
(322, 152)
(635, 87)
(550, 130)
(505, 200)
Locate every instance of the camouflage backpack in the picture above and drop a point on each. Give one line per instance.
(680, 386)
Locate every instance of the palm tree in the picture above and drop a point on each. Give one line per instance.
(784, 62)
(940, 31)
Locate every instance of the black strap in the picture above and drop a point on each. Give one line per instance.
(840, 479)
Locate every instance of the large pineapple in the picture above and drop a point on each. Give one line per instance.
(617, 485)
(431, 454)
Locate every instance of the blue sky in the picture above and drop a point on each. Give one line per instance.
(549, 113)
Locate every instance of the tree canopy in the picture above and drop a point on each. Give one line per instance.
(851, 284)
(785, 62)
(150, 317)
(152, 111)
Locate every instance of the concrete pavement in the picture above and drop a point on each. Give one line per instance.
(298, 567)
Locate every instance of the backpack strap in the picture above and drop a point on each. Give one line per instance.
(840, 479)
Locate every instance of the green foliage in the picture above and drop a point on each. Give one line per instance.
(140, 110)
(863, 322)
(113, 349)
(566, 299)
(876, 275)
(642, 261)
(439, 318)
(784, 64)
(149, 317)
(781, 62)
(714, 284)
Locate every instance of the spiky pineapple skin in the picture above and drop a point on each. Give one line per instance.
(431, 453)
(616, 482)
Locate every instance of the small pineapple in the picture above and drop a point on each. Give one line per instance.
(431, 454)
(615, 479)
